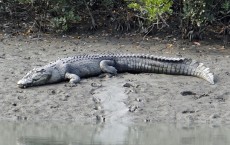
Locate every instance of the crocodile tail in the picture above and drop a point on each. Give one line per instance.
(157, 64)
(190, 67)
(204, 73)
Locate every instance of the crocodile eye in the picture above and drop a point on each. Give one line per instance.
(35, 79)
(40, 70)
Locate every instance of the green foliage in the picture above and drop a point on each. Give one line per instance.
(61, 15)
(151, 9)
(64, 22)
(64, 17)
(197, 14)
(194, 11)
(108, 3)
(25, 1)
(225, 7)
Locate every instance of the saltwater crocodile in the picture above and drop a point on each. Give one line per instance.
(76, 67)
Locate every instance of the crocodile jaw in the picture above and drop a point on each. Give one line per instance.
(23, 83)
(34, 78)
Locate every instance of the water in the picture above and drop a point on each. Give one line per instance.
(71, 133)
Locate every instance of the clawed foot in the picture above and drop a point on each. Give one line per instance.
(70, 85)
(106, 75)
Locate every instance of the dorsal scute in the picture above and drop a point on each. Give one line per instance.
(148, 56)
(107, 55)
(158, 58)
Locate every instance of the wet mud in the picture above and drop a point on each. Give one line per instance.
(126, 97)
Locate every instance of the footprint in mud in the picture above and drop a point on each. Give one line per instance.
(186, 93)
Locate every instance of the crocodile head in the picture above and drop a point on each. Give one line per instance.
(35, 77)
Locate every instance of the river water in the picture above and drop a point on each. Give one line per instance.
(72, 133)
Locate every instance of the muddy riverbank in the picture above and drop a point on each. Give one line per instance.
(125, 97)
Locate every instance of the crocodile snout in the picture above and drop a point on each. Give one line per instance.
(22, 83)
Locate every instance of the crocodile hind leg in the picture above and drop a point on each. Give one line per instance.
(107, 66)
(73, 78)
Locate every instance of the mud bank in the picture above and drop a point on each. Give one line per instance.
(125, 97)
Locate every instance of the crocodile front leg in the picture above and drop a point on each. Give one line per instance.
(73, 78)
(107, 66)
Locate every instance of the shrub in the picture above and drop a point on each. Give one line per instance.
(152, 11)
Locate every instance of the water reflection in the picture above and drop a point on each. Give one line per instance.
(56, 133)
